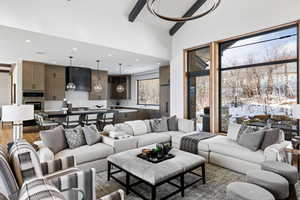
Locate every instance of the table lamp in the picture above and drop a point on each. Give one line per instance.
(17, 114)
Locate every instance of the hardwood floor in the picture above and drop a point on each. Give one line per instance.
(30, 134)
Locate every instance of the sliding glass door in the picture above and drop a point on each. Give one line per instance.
(259, 80)
(198, 87)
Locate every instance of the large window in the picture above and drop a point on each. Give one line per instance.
(259, 81)
(198, 87)
(148, 91)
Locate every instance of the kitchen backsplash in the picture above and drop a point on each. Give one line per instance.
(77, 98)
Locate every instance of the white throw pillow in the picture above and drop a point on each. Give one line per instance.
(233, 131)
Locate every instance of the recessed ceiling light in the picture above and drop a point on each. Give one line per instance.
(54, 62)
(27, 41)
(109, 55)
(74, 49)
(137, 60)
(158, 63)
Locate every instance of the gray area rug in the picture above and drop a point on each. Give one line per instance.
(217, 179)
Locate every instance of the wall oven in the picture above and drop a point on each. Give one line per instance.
(34, 98)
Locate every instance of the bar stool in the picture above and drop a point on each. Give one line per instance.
(44, 124)
(106, 118)
(72, 121)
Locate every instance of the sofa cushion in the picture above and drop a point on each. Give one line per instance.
(88, 153)
(159, 125)
(138, 127)
(91, 134)
(75, 137)
(251, 141)
(233, 131)
(225, 146)
(186, 126)
(152, 138)
(125, 128)
(173, 123)
(271, 137)
(54, 139)
(148, 125)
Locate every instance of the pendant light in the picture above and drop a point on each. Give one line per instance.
(98, 87)
(71, 86)
(120, 88)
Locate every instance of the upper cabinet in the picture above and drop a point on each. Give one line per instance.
(164, 75)
(101, 76)
(55, 82)
(33, 76)
(124, 80)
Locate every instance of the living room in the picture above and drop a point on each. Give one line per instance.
(150, 99)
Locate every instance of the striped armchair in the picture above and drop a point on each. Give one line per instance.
(55, 180)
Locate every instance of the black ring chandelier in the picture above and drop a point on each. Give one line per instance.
(152, 7)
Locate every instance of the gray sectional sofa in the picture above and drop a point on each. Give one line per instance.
(220, 150)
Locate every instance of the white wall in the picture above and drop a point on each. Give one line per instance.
(232, 18)
(92, 21)
(5, 88)
(17, 79)
(77, 98)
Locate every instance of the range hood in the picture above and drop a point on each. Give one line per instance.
(80, 76)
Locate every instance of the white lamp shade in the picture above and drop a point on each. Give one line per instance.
(17, 113)
(296, 111)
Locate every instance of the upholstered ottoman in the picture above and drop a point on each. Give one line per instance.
(285, 170)
(272, 182)
(247, 191)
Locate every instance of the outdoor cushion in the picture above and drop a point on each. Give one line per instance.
(186, 126)
(88, 153)
(159, 125)
(148, 126)
(173, 123)
(228, 147)
(287, 171)
(271, 137)
(247, 191)
(152, 138)
(75, 137)
(272, 182)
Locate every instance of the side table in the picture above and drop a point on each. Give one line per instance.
(121, 145)
(295, 153)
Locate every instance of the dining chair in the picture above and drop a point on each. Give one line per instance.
(44, 124)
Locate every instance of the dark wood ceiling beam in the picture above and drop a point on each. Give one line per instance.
(136, 10)
(189, 13)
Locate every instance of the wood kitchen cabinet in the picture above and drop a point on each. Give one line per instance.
(114, 81)
(55, 82)
(33, 76)
(96, 95)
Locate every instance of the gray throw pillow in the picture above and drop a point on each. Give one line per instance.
(75, 137)
(54, 139)
(173, 123)
(159, 125)
(92, 136)
(252, 140)
(271, 137)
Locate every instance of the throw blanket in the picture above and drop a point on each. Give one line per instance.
(190, 143)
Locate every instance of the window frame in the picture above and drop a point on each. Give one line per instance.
(189, 75)
(261, 64)
(138, 92)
